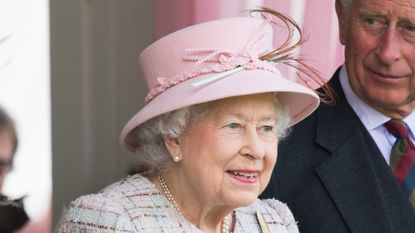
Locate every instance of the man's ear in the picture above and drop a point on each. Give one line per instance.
(173, 147)
(341, 17)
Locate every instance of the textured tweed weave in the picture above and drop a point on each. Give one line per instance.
(135, 205)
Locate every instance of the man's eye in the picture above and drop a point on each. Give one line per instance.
(370, 21)
(408, 31)
(374, 22)
(409, 28)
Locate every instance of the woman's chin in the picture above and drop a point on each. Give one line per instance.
(241, 192)
(241, 198)
(247, 202)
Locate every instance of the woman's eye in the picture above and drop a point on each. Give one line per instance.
(268, 128)
(234, 125)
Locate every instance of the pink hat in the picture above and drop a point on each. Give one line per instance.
(210, 61)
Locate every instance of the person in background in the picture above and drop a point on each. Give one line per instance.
(8, 142)
(12, 213)
(349, 167)
(207, 137)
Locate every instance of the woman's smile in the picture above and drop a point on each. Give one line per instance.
(244, 176)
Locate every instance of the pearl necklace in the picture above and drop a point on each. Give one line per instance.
(225, 222)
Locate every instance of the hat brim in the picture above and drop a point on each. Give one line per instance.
(299, 100)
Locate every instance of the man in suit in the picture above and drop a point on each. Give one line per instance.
(333, 170)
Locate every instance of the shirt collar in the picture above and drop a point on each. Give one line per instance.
(410, 121)
(370, 118)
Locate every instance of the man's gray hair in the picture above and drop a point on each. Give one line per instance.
(151, 150)
(346, 5)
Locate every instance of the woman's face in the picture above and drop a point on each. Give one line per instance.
(228, 153)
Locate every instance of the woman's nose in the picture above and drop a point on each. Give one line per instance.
(253, 145)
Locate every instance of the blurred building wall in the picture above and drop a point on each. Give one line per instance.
(95, 88)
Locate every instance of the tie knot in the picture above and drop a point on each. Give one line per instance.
(397, 128)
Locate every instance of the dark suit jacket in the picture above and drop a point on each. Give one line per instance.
(334, 179)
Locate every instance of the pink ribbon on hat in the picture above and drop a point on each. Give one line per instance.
(223, 62)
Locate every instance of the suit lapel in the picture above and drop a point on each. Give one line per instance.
(348, 173)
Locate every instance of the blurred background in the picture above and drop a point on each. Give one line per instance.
(69, 78)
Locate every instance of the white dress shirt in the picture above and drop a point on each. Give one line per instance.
(374, 120)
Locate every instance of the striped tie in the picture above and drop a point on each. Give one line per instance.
(403, 157)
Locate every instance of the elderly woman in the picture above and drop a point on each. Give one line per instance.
(207, 138)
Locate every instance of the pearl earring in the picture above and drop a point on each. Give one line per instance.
(176, 159)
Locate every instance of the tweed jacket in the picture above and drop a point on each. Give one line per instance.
(333, 177)
(134, 204)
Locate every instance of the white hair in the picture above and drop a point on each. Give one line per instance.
(152, 153)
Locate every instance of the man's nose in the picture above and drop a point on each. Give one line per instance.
(389, 49)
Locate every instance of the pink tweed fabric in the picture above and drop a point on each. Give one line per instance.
(135, 205)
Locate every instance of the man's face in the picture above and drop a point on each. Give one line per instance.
(379, 36)
(6, 154)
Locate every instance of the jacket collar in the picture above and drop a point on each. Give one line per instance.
(348, 173)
